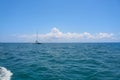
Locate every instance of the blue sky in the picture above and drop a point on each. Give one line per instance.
(20, 19)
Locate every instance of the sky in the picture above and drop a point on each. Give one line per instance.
(60, 20)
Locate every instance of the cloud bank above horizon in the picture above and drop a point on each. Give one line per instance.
(55, 35)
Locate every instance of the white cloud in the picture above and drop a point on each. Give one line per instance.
(104, 35)
(55, 35)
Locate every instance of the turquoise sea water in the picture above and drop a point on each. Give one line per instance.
(60, 61)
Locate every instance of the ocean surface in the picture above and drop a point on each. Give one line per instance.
(60, 61)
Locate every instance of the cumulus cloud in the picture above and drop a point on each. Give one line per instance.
(104, 35)
(55, 35)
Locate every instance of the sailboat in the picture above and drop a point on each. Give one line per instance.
(37, 42)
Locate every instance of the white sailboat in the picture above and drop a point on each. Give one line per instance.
(37, 42)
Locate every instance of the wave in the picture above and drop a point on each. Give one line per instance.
(5, 74)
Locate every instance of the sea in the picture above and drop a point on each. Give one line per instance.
(60, 61)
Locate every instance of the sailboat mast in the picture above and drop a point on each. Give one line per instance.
(37, 42)
(37, 36)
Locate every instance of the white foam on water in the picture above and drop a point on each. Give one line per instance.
(5, 74)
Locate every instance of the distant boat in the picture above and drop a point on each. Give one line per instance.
(37, 42)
